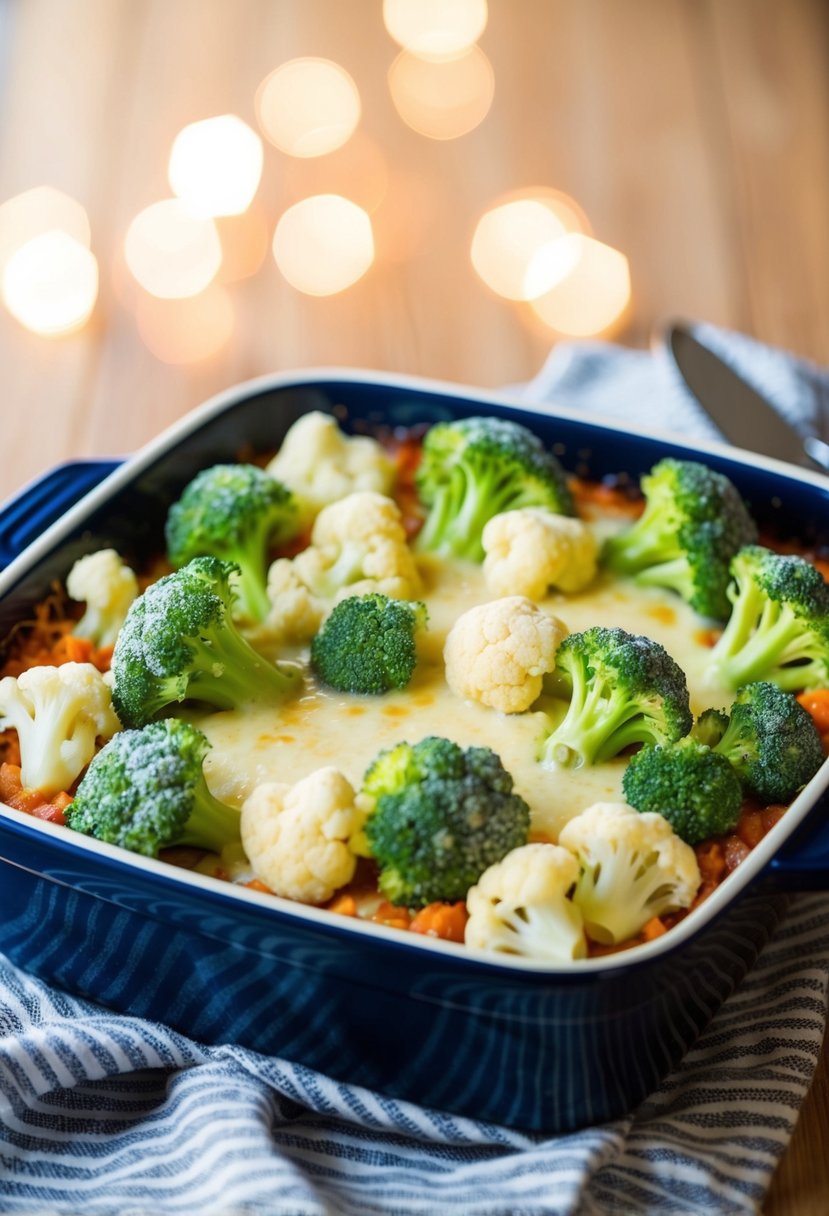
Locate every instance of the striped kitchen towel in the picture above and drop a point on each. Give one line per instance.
(102, 1113)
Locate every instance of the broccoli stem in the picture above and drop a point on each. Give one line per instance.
(211, 825)
(599, 723)
(250, 586)
(227, 671)
(462, 507)
(756, 642)
(675, 575)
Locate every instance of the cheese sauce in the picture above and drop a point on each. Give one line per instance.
(321, 727)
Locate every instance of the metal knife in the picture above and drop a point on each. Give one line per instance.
(743, 414)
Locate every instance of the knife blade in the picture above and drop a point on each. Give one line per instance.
(743, 414)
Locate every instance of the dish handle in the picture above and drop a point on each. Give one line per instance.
(802, 863)
(42, 502)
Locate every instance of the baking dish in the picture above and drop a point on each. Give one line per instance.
(537, 1047)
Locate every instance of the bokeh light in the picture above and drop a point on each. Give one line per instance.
(323, 244)
(510, 235)
(592, 286)
(435, 28)
(357, 170)
(216, 166)
(50, 284)
(245, 240)
(442, 99)
(308, 107)
(186, 331)
(172, 253)
(42, 209)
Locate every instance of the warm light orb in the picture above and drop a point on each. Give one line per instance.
(323, 244)
(592, 286)
(442, 99)
(50, 284)
(170, 252)
(42, 209)
(245, 242)
(435, 28)
(186, 331)
(308, 107)
(506, 241)
(216, 166)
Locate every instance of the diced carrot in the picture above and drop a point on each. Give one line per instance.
(711, 861)
(50, 811)
(390, 914)
(772, 815)
(734, 851)
(653, 929)
(750, 827)
(256, 885)
(344, 905)
(816, 703)
(444, 920)
(10, 783)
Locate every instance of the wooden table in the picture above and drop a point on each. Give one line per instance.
(694, 133)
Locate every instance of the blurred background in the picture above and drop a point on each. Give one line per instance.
(194, 192)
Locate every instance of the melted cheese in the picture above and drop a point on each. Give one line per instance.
(320, 727)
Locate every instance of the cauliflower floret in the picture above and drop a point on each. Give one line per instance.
(632, 867)
(358, 546)
(321, 464)
(498, 653)
(108, 586)
(530, 550)
(521, 906)
(297, 836)
(295, 614)
(58, 713)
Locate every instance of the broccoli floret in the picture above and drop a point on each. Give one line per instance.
(476, 468)
(179, 643)
(367, 644)
(620, 689)
(696, 789)
(710, 727)
(234, 512)
(693, 523)
(779, 624)
(440, 816)
(145, 790)
(771, 741)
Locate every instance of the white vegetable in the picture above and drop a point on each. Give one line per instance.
(632, 867)
(498, 653)
(530, 550)
(321, 464)
(358, 545)
(108, 586)
(58, 713)
(521, 906)
(297, 836)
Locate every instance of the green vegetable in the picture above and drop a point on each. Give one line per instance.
(770, 740)
(367, 644)
(779, 624)
(693, 523)
(696, 789)
(145, 790)
(234, 512)
(620, 689)
(179, 643)
(442, 815)
(476, 468)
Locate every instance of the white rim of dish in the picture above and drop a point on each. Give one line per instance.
(713, 906)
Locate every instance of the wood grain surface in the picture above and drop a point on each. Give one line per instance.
(693, 133)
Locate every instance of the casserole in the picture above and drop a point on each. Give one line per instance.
(538, 1047)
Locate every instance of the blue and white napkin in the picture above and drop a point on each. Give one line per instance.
(106, 1114)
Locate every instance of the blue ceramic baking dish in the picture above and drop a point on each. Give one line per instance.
(538, 1047)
